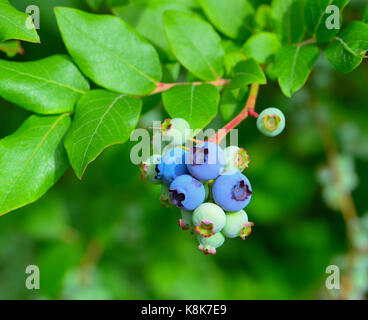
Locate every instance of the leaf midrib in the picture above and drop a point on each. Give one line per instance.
(83, 164)
(198, 50)
(113, 53)
(14, 24)
(44, 79)
(33, 156)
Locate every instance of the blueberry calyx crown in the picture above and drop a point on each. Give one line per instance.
(271, 122)
(207, 249)
(246, 230)
(166, 126)
(241, 191)
(205, 228)
(177, 198)
(242, 159)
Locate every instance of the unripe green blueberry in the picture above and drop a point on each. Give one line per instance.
(177, 130)
(271, 122)
(148, 169)
(237, 225)
(209, 245)
(236, 159)
(208, 219)
(186, 220)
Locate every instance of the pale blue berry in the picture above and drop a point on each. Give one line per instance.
(206, 161)
(232, 191)
(172, 165)
(186, 192)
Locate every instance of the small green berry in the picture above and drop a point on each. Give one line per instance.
(271, 122)
(208, 219)
(148, 169)
(177, 130)
(236, 159)
(237, 225)
(209, 245)
(186, 220)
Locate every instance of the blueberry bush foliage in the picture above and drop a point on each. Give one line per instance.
(206, 61)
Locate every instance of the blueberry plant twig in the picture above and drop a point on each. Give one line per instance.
(248, 110)
(345, 201)
(161, 87)
(307, 42)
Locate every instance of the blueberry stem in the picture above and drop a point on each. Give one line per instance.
(248, 110)
(161, 87)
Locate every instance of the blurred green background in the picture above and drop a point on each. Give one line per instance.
(108, 237)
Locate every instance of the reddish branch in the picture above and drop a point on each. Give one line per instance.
(247, 111)
(161, 87)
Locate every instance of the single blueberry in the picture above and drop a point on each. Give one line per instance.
(209, 219)
(237, 225)
(172, 165)
(209, 245)
(232, 191)
(206, 161)
(186, 192)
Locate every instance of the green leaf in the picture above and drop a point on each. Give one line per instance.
(32, 160)
(147, 19)
(316, 18)
(233, 55)
(263, 17)
(261, 46)
(247, 72)
(232, 102)
(109, 51)
(15, 24)
(289, 20)
(94, 4)
(293, 65)
(101, 119)
(48, 86)
(195, 43)
(11, 48)
(230, 16)
(197, 104)
(347, 51)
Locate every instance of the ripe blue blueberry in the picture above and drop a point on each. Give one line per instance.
(271, 122)
(186, 220)
(209, 245)
(208, 219)
(186, 192)
(237, 225)
(172, 165)
(232, 191)
(177, 130)
(206, 161)
(236, 159)
(148, 169)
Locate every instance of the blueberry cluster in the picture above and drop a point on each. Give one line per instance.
(206, 183)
